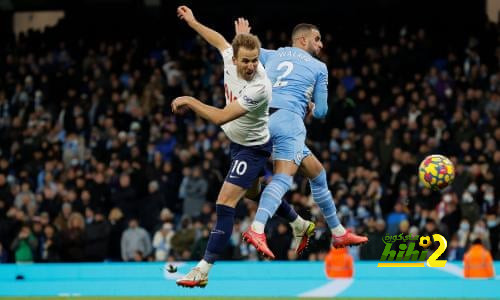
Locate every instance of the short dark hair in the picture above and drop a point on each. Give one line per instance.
(302, 28)
(245, 40)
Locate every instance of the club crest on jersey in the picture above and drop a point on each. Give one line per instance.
(249, 100)
(298, 156)
(229, 94)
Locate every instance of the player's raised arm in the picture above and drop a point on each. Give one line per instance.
(242, 26)
(213, 114)
(211, 36)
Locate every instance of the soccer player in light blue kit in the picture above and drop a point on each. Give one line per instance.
(299, 83)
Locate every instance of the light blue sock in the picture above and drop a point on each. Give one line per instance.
(271, 197)
(323, 198)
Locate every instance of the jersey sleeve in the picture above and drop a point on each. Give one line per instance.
(253, 97)
(264, 55)
(320, 93)
(227, 55)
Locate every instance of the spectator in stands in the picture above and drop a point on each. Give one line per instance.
(73, 239)
(97, 237)
(184, 238)
(395, 218)
(24, 245)
(193, 190)
(125, 197)
(135, 242)
(198, 249)
(62, 220)
(118, 226)
(51, 246)
(151, 206)
(162, 242)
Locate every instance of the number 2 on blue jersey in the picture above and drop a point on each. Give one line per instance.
(288, 66)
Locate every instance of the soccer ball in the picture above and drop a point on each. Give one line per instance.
(436, 172)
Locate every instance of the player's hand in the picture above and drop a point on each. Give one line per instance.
(242, 26)
(179, 104)
(185, 13)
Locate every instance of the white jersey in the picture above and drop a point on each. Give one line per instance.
(251, 129)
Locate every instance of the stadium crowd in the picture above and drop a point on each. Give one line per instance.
(94, 166)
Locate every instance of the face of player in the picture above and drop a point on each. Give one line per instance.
(314, 43)
(247, 62)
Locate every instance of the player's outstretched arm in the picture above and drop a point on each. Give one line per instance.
(213, 114)
(211, 36)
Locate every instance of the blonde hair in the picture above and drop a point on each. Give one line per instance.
(115, 214)
(78, 218)
(245, 40)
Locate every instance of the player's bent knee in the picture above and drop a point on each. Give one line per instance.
(230, 194)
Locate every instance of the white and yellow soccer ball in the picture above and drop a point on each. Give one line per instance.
(436, 172)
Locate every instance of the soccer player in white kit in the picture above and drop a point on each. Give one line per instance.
(245, 122)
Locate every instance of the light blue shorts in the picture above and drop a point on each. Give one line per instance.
(288, 135)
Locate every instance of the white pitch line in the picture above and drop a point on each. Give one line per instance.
(456, 270)
(453, 270)
(330, 289)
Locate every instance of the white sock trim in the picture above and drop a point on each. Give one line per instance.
(204, 266)
(338, 230)
(258, 227)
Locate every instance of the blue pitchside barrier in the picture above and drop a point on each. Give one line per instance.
(244, 279)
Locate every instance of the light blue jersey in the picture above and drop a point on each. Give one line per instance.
(297, 78)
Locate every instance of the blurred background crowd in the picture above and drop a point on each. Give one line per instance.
(94, 166)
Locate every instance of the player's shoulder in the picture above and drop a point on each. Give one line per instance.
(227, 51)
(227, 56)
(321, 66)
(318, 65)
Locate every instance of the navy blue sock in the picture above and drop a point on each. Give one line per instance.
(220, 235)
(286, 211)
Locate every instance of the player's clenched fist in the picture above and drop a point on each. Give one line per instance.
(185, 13)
